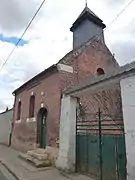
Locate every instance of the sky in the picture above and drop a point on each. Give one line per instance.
(49, 38)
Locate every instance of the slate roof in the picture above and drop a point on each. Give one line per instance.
(86, 9)
(91, 16)
(65, 59)
(85, 14)
(123, 70)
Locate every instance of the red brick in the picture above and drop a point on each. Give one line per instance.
(85, 62)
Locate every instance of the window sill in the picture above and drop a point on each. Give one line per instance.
(31, 119)
(18, 121)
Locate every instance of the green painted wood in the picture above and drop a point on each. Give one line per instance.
(86, 160)
(121, 157)
(43, 133)
(113, 153)
(93, 155)
(109, 157)
(43, 137)
(81, 153)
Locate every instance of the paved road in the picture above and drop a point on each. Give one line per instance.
(2, 177)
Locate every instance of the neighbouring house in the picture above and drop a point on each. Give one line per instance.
(37, 104)
(6, 119)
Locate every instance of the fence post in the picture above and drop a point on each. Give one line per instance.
(117, 158)
(100, 145)
(76, 163)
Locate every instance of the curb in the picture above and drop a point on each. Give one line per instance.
(11, 172)
(71, 176)
(66, 175)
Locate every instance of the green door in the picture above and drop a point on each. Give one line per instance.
(110, 159)
(43, 132)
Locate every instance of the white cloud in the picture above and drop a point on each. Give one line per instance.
(15, 14)
(50, 39)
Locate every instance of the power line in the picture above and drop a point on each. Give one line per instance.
(29, 24)
(117, 16)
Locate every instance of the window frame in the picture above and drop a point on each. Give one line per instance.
(19, 107)
(32, 106)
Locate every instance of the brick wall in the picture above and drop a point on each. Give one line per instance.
(107, 99)
(85, 64)
(25, 133)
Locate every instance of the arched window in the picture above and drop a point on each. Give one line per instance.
(32, 106)
(100, 71)
(19, 111)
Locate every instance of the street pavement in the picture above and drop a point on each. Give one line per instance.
(5, 174)
(2, 177)
(10, 164)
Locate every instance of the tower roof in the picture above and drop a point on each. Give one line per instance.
(87, 14)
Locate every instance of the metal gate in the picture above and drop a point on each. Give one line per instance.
(100, 146)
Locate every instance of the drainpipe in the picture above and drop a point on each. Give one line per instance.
(10, 135)
(12, 123)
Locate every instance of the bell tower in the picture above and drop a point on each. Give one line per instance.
(86, 26)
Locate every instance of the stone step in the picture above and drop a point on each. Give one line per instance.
(34, 161)
(40, 157)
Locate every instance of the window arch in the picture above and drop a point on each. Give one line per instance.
(100, 71)
(19, 111)
(31, 106)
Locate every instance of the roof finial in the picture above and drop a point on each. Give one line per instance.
(86, 3)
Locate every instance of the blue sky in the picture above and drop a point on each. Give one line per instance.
(49, 37)
(12, 40)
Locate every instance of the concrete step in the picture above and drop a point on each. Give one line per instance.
(34, 161)
(41, 157)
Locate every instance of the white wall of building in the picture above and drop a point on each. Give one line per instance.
(5, 126)
(128, 103)
(67, 141)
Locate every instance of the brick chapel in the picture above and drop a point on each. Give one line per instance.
(37, 102)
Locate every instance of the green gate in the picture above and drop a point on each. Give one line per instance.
(100, 147)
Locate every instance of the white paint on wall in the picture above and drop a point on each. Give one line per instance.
(18, 121)
(66, 68)
(42, 105)
(128, 103)
(67, 139)
(31, 119)
(5, 126)
(42, 93)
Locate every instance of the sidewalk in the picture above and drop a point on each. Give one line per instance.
(24, 171)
